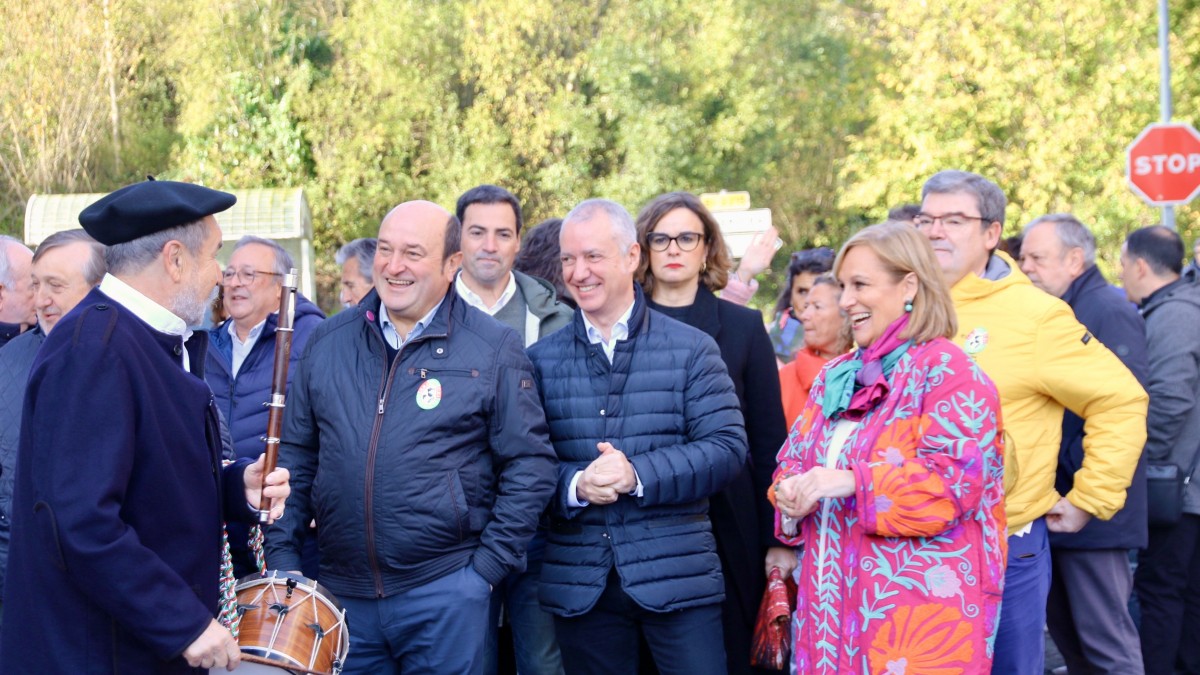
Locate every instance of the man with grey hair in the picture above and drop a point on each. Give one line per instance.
(241, 359)
(1087, 610)
(16, 298)
(114, 562)
(356, 258)
(1043, 361)
(66, 266)
(646, 425)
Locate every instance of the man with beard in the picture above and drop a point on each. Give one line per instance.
(115, 556)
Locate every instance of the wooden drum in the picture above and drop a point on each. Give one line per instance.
(290, 624)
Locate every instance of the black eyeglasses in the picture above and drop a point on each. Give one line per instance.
(245, 275)
(950, 221)
(686, 241)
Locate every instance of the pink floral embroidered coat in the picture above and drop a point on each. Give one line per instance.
(904, 577)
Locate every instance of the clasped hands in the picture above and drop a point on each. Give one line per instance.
(798, 495)
(608, 477)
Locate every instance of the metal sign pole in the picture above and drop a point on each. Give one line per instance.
(1164, 88)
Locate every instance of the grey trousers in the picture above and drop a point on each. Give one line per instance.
(1087, 611)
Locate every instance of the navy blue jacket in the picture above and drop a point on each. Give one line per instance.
(8, 331)
(417, 466)
(120, 494)
(16, 358)
(241, 399)
(1108, 315)
(743, 520)
(667, 402)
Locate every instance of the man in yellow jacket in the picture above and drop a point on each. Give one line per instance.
(1042, 361)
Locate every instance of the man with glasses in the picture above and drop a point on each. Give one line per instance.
(241, 355)
(1043, 362)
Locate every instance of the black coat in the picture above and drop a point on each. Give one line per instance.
(417, 466)
(1111, 318)
(666, 401)
(120, 494)
(743, 520)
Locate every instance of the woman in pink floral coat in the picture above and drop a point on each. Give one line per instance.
(892, 481)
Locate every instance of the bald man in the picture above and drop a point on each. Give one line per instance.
(416, 438)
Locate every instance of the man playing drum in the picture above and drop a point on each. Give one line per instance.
(115, 556)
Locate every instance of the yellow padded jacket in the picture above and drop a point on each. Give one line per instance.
(1042, 360)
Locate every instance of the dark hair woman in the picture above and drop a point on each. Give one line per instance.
(787, 332)
(684, 261)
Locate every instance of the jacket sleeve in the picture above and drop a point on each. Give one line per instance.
(524, 463)
(948, 453)
(716, 448)
(766, 429)
(298, 452)
(80, 486)
(1173, 380)
(1084, 376)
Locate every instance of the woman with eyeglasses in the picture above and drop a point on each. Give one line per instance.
(826, 335)
(684, 262)
(787, 331)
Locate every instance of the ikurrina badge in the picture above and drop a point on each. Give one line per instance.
(976, 341)
(429, 394)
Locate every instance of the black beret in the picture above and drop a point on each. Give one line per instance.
(144, 208)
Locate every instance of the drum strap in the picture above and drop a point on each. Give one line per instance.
(229, 615)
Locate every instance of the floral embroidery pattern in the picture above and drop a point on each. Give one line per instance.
(906, 575)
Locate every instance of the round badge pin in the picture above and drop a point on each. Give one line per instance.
(976, 341)
(429, 394)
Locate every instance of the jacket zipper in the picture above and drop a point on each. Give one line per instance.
(368, 505)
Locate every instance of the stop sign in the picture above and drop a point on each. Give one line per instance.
(1163, 164)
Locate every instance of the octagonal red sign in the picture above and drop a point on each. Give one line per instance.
(1163, 164)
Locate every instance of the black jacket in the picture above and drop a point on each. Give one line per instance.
(416, 467)
(1111, 318)
(667, 402)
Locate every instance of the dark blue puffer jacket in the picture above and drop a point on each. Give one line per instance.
(667, 402)
(241, 399)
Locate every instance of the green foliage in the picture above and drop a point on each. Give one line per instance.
(827, 112)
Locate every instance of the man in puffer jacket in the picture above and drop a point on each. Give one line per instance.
(241, 359)
(646, 425)
(417, 441)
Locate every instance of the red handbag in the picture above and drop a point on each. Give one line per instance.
(773, 629)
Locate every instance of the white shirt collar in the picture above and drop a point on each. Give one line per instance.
(158, 317)
(620, 331)
(393, 336)
(473, 299)
(251, 336)
(240, 350)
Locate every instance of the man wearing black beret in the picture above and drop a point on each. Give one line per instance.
(120, 494)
